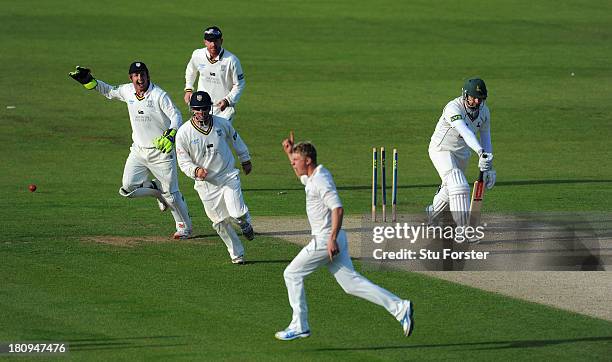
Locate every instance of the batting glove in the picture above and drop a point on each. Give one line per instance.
(485, 161)
(489, 178)
(166, 141)
(83, 76)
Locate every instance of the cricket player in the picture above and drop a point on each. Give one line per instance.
(219, 74)
(204, 154)
(155, 120)
(449, 150)
(328, 246)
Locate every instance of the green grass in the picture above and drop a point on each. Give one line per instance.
(185, 301)
(348, 75)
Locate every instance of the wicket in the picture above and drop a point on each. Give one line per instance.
(383, 185)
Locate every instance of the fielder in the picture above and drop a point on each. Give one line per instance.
(204, 154)
(449, 150)
(154, 120)
(219, 74)
(329, 246)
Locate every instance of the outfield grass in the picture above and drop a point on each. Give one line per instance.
(184, 300)
(347, 75)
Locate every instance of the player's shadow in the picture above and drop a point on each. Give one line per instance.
(277, 261)
(416, 186)
(491, 345)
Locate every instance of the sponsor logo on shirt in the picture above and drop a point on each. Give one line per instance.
(212, 74)
(455, 117)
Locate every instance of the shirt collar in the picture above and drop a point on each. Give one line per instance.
(219, 56)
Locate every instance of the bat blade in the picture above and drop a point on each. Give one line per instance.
(476, 204)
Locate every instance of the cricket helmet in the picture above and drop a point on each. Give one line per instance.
(212, 33)
(138, 67)
(200, 99)
(475, 87)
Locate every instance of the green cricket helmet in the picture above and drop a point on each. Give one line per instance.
(475, 87)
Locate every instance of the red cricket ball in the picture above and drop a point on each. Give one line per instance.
(32, 188)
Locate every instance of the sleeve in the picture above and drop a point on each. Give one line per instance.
(237, 143)
(485, 134)
(191, 73)
(171, 111)
(329, 195)
(109, 91)
(467, 134)
(238, 82)
(183, 157)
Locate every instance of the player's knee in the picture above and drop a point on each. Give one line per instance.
(171, 198)
(290, 273)
(349, 288)
(456, 182)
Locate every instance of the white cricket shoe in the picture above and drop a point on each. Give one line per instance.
(407, 321)
(238, 260)
(182, 234)
(290, 335)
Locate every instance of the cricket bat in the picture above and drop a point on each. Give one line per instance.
(476, 204)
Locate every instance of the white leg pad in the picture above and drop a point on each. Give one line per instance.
(179, 210)
(140, 192)
(459, 196)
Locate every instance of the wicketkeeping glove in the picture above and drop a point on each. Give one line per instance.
(166, 141)
(489, 178)
(83, 76)
(485, 161)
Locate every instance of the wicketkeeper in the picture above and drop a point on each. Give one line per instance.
(204, 154)
(155, 120)
(449, 150)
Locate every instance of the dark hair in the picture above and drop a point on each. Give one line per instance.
(306, 149)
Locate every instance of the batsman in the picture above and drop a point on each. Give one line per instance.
(155, 120)
(449, 151)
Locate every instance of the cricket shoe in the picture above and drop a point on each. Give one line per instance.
(247, 230)
(182, 233)
(239, 260)
(290, 335)
(407, 321)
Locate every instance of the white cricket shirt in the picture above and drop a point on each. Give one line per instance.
(447, 138)
(150, 115)
(221, 77)
(209, 147)
(321, 198)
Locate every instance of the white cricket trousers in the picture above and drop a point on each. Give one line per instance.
(221, 204)
(445, 161)
(314, 255)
